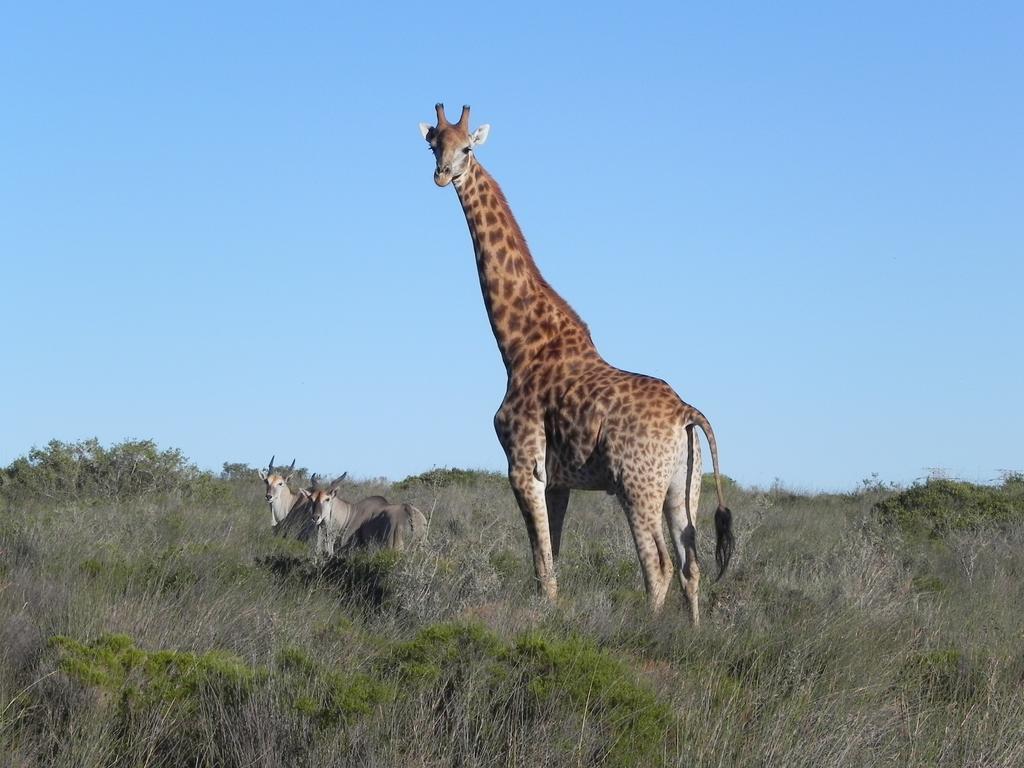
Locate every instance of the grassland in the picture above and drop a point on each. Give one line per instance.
(168, 627)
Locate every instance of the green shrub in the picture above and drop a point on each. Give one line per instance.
(536, 677)
(573, 673)
(325, 695)
(443, 477)
(442, 648)
(939, 506)
(240, 472)
(85, 470)
(144, 679)
(707, 485)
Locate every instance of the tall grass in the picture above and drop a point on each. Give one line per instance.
(169, 630)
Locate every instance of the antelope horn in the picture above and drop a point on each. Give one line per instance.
(464, 119)
(270, 467)
(441, 119)
(313, 480)
(338, 479)
(292, 467)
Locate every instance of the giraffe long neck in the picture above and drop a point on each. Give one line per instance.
(525, 312)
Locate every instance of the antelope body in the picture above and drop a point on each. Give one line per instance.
(371, 521)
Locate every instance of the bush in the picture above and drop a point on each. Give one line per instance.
(152, 678)
(632, 726)
(160, 701)
(939, 506)
(443, 477)
(707, 485)
(87, 471)
(615, 719)
(331, 698)
(238, 471)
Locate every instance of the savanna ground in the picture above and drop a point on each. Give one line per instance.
(149, 617)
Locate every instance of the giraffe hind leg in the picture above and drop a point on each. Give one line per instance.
(680, 510)
(648, 536)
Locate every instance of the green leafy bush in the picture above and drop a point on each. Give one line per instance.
(326, 695)
(707, 485)
(573, 673)
(939, 506)
(86, 470)
(444, 477)
(142, 679)
(536, 674)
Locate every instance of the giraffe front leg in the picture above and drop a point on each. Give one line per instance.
(520, 431)
(530, 495)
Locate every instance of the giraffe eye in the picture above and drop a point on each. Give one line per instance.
(467, 150)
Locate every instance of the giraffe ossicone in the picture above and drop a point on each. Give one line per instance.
(570, 420)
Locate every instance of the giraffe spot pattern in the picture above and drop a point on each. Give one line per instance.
(566, 410)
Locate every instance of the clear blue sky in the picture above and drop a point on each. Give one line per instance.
(218, 227)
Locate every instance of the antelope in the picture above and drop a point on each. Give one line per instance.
(289, 512)
(367, 522)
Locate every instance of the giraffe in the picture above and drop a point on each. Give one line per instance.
(570, 420)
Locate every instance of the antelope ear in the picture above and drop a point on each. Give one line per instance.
(479, 136)
(262, 474)
(427, 131)
(334, 493)
(305, 493)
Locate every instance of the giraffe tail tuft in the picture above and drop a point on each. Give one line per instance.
(724, 541)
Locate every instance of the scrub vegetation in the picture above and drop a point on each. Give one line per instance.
(148, 616)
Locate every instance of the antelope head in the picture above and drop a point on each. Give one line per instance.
(276, 483)
(322, 500)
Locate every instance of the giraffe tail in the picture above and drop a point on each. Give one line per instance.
(724, 540)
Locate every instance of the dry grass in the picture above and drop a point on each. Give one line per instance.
(165, 634)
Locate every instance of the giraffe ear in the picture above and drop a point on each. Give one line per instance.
(479, 136)
(427, 130)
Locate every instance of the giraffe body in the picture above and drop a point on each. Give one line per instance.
(569, 419)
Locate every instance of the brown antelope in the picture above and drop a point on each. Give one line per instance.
(367, 522)
(289, 511)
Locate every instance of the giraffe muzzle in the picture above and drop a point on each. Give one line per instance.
(443, 175)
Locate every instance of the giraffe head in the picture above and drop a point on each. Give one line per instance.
(452, 144)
